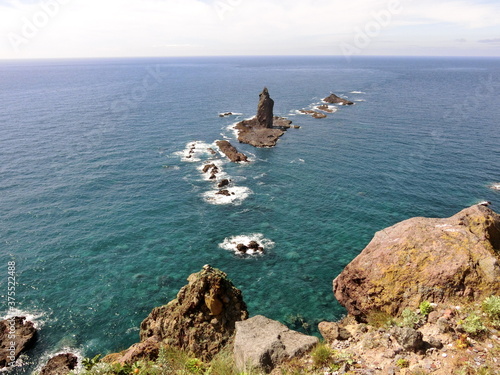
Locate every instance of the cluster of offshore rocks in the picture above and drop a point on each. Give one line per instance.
(319, 111)
(452, 264)
(264, 129)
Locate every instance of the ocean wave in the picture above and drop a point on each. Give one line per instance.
(194, 151)
(78, 352)
(237, 195)
(357, 92)
(36, 317)
(231, 243)
(220, 174)
(495, 186)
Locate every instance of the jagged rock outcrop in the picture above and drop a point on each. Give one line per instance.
(453, 259)
(264, 129)
(333, 331)
(60, 364)
(264, 343)
(231, 152)
(16, 336)
(265, 109)
(334, 99)
(202, 318)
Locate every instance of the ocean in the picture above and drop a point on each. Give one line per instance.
(105, 216)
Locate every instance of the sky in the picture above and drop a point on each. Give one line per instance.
(146, 28)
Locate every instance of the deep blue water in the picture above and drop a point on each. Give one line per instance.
(105, 220)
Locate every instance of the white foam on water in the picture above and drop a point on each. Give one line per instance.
(357, 92)
(194, 151)
(36, 317)
(218, 163)
(238, 195)
(331, 109)
(231, 243)
(495, 186)
(360, 100)
(78, 352)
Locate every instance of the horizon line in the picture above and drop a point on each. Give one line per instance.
(250, 56)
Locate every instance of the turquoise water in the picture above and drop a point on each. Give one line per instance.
(105, 219)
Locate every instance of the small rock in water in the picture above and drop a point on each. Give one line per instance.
(241, 248)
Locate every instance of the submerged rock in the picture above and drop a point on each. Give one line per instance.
(334, 99)
(264, 343)
(60, 364)
(314, 114)
(231, 152)
(438, 260)
(16, 336)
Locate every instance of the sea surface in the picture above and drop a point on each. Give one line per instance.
(105, 216)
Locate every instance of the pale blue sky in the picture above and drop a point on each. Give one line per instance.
(123, 28)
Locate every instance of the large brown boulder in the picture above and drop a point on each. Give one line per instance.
(454, 260)
(61, 364)
(265, 109)
(16, 336)
(202, 318)
(231, 152)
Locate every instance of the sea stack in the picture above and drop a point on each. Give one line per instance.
(264, 129)
(265, 109)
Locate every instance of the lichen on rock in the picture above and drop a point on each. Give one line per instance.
(202, 317)
(437, 260)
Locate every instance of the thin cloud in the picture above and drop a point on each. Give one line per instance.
(490, 41)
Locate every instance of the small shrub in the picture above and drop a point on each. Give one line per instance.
(321, 355)
(409, 318)
(473, 324)
(425, 308)
(88, 363)
(380, 319)
(403, 363)
(194, 366)
(491, 306)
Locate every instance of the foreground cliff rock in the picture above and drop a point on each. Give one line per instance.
(422, 259)
(200, 320)
(264, 343)
(60, 364)
(16, 336)
(264, 129)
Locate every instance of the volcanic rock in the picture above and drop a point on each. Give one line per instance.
(325, 108)
(265, 109)
(24, 333)
(265, 129)
(208, 167)
(314, 114)
(264, 343)
(333, 331)
(224, 192)
(223, 183)
(242, 248)
(231, 152)
(421, 259)
(334, 99)
(61, 364)
(202, 318)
